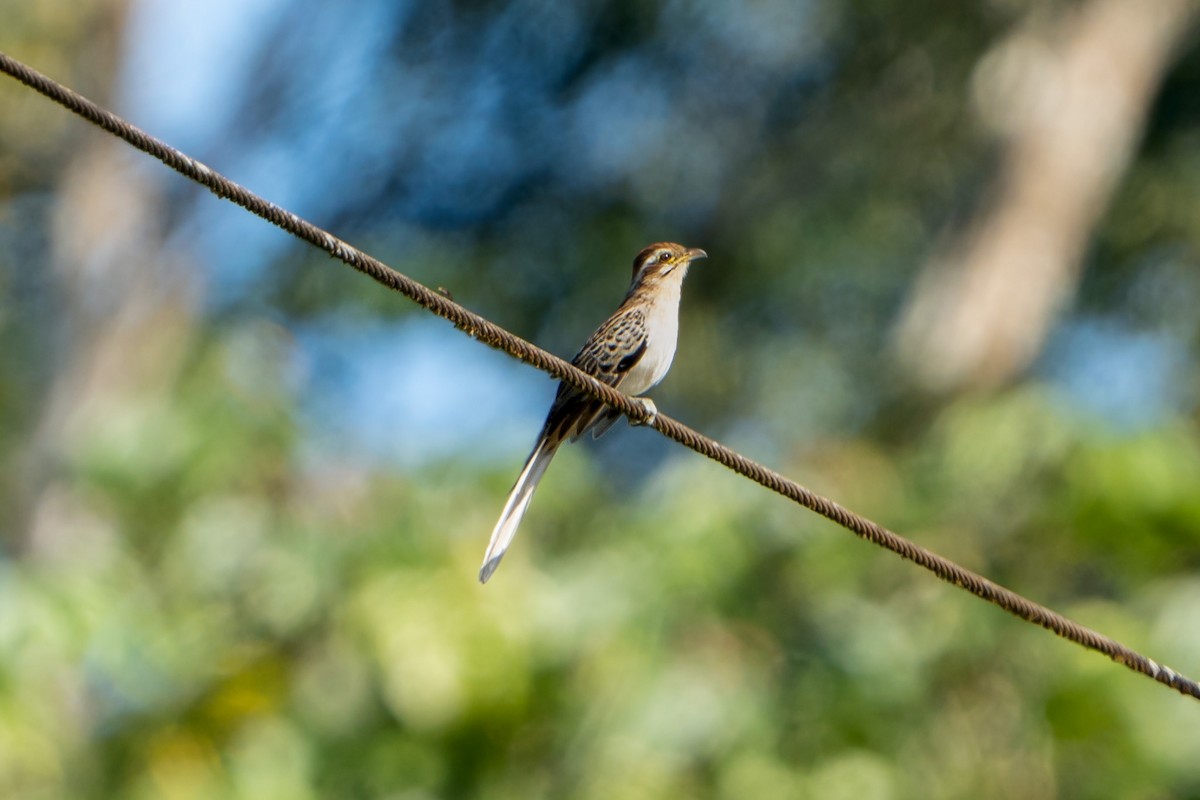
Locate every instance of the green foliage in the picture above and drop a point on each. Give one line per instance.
(217, 623)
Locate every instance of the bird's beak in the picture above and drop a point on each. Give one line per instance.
(696, 253)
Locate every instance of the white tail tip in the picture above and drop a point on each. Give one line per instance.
(489, 567)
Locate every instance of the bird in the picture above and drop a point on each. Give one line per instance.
(631, 351)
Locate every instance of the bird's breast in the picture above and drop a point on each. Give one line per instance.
(662, 333)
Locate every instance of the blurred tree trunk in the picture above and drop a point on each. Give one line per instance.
(123, 314)
(1068, 95)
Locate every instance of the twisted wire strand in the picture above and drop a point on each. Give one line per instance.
(499, 338)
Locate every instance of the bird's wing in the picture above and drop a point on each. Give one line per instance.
(608, 355)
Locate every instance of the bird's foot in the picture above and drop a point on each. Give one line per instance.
(651, 412)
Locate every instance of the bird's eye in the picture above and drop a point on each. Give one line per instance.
(664, 256)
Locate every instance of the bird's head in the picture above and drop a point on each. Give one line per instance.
(664, 261)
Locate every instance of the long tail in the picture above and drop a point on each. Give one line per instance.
(514, 509)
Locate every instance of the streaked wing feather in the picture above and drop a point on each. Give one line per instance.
(603, 421)
(609, 354)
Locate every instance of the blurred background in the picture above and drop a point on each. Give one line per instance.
(245, 491)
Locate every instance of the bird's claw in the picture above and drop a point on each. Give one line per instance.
(651, 412)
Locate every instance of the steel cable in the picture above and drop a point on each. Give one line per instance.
(501, 339)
